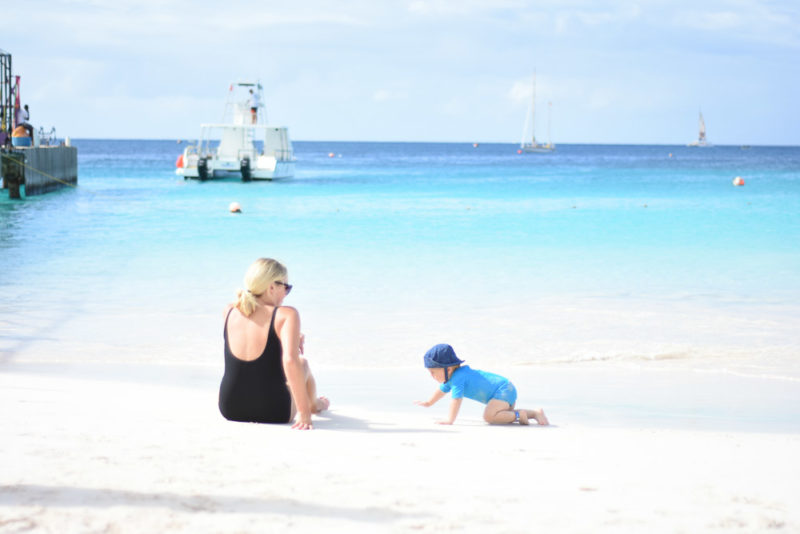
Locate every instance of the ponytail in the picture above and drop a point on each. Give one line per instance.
(259, 276)
(245, 302)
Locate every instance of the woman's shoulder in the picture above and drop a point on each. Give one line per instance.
(287, 312)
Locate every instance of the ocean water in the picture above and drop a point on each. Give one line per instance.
(592, 255)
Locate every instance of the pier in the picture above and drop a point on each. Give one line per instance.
(39, 169)
(33, 161)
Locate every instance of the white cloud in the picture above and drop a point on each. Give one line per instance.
(384, 95)
(461, 7)
(749, 20)
(723, 20)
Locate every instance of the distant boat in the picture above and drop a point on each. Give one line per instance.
(529, 144)
(238, 153)
(701, 136)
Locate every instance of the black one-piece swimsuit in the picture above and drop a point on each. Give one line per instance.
(255, 391)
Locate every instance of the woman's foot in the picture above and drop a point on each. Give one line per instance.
(321, 404)
(540, 417)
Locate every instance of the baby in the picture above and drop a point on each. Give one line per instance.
(496, 392)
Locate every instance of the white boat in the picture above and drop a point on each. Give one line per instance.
(701, 136)
(529, 144)
(243, 144)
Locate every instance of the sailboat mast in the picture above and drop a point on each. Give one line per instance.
(702, 128)
(533, 111)
(549, 110)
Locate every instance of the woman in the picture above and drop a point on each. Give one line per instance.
(266, 380)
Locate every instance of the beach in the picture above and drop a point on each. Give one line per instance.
(103, 448)
(645, 303)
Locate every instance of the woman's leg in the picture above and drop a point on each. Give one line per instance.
(318, 404)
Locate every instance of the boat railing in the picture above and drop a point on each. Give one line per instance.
(200, 151)
(47, 138)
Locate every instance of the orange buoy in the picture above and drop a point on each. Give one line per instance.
(331, 155)
(235, 207)
(738, 181)
(179, 163)
(519, 151)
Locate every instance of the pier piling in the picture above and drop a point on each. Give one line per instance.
(13, 172)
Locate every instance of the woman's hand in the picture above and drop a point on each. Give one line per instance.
(303, 422)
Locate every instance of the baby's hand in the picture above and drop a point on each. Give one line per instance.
(444, 422)
(422, 403)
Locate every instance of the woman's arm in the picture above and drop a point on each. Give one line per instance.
(293, 366)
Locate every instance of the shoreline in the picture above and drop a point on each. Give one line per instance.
(594, 395)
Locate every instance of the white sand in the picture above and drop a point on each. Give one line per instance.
(144, 449)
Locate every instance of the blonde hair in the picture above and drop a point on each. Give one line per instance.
(257, 279)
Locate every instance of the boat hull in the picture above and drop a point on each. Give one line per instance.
(281, 170)
(237, 154)
(538, 149)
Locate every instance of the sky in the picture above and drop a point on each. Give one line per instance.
(417, 70)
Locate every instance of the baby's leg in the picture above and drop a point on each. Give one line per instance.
(539, 415)
(499, 412)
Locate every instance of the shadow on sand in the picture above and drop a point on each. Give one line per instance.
(330, 420)
(66, 496)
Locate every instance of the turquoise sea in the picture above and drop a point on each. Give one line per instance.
(612, 254)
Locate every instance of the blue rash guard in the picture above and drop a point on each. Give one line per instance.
(479, 385)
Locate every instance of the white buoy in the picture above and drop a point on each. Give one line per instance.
(235, 207)
(738, 181)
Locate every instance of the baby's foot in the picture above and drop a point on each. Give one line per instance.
(541, 418)
(321, 404)
(523, 417)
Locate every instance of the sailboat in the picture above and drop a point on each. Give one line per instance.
(529, 144)
(701, 136)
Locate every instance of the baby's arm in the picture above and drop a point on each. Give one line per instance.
(455, 405)
(433, 400)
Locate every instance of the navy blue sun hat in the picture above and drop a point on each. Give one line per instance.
(441, 355)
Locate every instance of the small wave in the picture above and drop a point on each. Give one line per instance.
(751, 374)
(611, 358)
(687, 360)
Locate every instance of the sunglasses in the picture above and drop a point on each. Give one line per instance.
(284, 284)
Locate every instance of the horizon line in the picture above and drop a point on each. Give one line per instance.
(686, 145)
